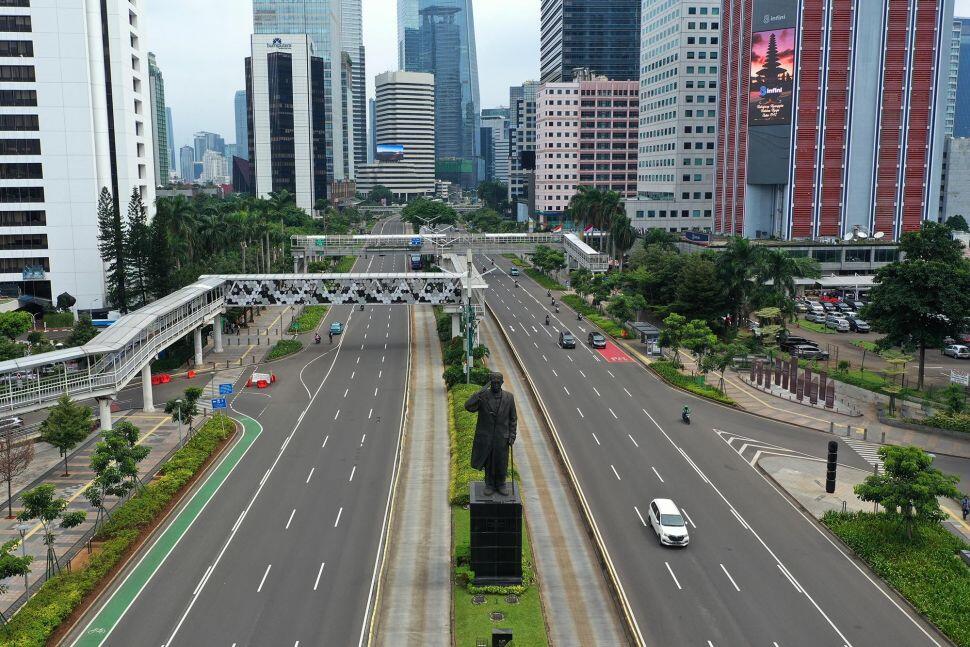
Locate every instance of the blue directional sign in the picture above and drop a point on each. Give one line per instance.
(416, 241)
(219, 403)
(225, 389)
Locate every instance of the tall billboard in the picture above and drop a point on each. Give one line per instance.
(771, 89)
(389, 153)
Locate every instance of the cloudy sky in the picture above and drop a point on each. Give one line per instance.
(200, 46)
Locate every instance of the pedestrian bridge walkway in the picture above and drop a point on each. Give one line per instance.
(107, 364)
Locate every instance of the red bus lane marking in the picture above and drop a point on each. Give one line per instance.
(613, 354)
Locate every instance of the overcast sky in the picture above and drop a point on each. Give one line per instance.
(200, 46)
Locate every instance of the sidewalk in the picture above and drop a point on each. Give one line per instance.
(867, 427)
(804, 480)
(415, 596)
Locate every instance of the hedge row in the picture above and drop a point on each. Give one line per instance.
(344, 265)
(609, 326)
(544, 280)
(59, 319)
(672, 374)
(309, 319)
(926, 569)
(57, 599)
(285, 347)
(959, 422)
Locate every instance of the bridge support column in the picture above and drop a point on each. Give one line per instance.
(197, 339)
(104, 409)
(296, 264)
(455, 325)
(148, 402)
(217, 334)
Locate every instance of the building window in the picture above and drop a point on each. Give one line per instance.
(11, 265)
(19, 147)
(23, 241)
(857, 255)
(23, 73)
(23, 218)
(14, 3)
(21, 171)
(15, 23)
(886, 255)
(21, 194)
(18, 98)
(827, 255)
(16, 48)
(19, 122)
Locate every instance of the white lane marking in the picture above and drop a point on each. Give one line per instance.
(346, 392)
(689, 520)
(382, 359)
(339, 512)
(353, 375)
(316, 582)
(581, 373)
(362, 438)
(310, 475)
(570, 358)
(535, 344)
(375, 391)
(238, 521)
(740, 520)
(263, 581)
(733, 583)
(352, 472)
(362, 346)
(201, 583)
(784, 571)
(634, 441)
(544, 358)
(627, 392)
(597, 391)
(596, 439)
(610, 372)
(358, 360)
(370, 413)
(336, 414)
(671, 571)
(641, 516)
(580, 412)
(324, 442)
(615, 473)
(290, 520)
(380, 374)
(614, 414)
(565, 389)
(554, 373)
(657, 473)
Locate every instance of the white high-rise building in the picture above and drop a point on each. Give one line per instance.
(72, 125)
(678, 115)
(522, 138)
(404, 135)
(215, 168)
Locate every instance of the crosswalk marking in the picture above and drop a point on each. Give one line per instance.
(868, 451)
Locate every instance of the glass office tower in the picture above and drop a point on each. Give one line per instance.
(602, 35)
(438, 37)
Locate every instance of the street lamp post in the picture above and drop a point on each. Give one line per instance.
(178, 412)
(22, 528)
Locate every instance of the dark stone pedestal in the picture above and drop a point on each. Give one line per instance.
(496, 536)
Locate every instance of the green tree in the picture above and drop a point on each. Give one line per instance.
(379, 194)
(908, 487)
(10, 349)
(185, 409)
(781, 269)
(161, 262)
(721, 357)
(138, 248)
(737, 265)
(65, 301)
(933, 242)
(660, 238)
(919, 302)
(115, 463)
(427, 212)
(672, 335)
(67, 424)
(40, 504)
(111, 244)
(82, 332)
(547, 260)
(623, 307)
(14, 461)
(622, 236)
(14, 324)
(699, 291)
(957, 223)
(11, 565)
(954, 399)
(698, 338)
(495, 195)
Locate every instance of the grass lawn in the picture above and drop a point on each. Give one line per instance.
(473, 622)
(309, 319)
(815, 327)
(285, 347)
(868, 346)
(544, 280)
(926, 570)
(344, 265)
(609, 326)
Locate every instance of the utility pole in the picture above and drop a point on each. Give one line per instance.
(470, 322)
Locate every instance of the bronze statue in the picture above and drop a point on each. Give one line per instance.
(494, 433)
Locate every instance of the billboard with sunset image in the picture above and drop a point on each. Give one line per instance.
(772, 77)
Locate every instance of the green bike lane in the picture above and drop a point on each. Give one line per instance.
(111, 613)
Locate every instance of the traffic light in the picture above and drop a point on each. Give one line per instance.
(830, 466)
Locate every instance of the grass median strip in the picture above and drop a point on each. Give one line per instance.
(117, 605)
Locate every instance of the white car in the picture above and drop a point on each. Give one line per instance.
(668, 523)
(957, 351)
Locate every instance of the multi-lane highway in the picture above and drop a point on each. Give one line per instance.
(286, 551)
(757, 572)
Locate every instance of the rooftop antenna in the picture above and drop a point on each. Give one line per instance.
(879, 234)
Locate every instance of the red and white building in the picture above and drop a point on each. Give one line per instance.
(831, 116)
(586, 135)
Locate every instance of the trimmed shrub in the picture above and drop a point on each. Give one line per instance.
(57, 599)
(672, 374)
(461, 428)
(959, 422)
(544, 280)
(285, 347)
(59, 319)
(309, 319)
(608, 325)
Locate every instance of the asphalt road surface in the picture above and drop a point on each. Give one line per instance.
(757, 571)
(286, 550)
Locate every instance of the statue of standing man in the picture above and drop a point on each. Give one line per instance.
(494, 433)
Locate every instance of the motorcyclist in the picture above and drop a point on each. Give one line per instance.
(316, 338)
(516, 284)
(557, 309)
(362, 307)
(579, 316)
(685, 414)
(548, 293)
(547, 320)
(331, 336)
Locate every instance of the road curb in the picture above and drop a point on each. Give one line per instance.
(380, 573)
(81, 612)
(851, 554)
(616, 588)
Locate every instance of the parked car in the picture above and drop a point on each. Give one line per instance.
(596, 340)
(809, 352)
(801, 307)
(957, 351)
(815, 306)
(11, 422)
(514, 271)
(789, 345)
(829, 307)
(844, 307)
(566, 340)
(838, 324)
(815, 317)
(668, 523)
(858, 325)
(857, 304)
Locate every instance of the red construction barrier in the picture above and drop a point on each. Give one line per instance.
(272, 378)
(156, 380)
(262, 384)
(191, 374)
(166, 378)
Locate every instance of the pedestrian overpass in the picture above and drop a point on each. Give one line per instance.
(105, 365)
(307, 249)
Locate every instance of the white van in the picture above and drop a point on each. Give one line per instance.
(668, 523)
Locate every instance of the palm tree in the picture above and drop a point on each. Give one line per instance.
(179, 217)
(623, 236)
(781, 269)
(736, 266)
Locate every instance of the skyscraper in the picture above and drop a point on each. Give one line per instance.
(156, 89)
(495, 144)
(602, 35)
(172, 165)
(961, 117)
(522, 139)
(242, 125)
(352, 37)
(831, 116)
(187, 164)
(321, 20)
(678, 116)
(205, 141)
(438, 37)
(371, 130)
